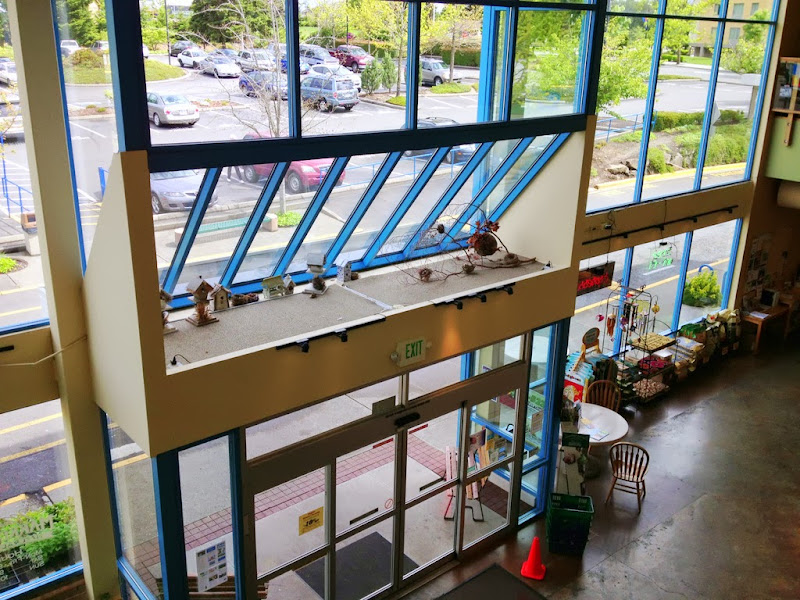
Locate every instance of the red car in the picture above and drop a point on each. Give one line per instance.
(302, 176)
(354, 58)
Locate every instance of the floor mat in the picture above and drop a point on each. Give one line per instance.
(494, 582)
(361, 568)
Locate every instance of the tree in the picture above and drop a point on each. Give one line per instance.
(81, 20)
(456, 27)
(678, 32)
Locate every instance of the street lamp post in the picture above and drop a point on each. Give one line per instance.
(166, 26)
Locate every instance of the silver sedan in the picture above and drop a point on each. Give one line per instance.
(220, 66)
(171, 109)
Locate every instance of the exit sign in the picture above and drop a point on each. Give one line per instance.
(410, 351)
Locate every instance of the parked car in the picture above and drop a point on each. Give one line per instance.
(336, 70)
(255, 82)
(68, 47)
(255, 60)
(226, 52)
(99, 46)
(145, 51)
(175, 190)
(328, 93)
(354, 58)
(180, 46)
(191, 57)
(171, 109)
(457, 154)
(304, 66)
(434, 71)
(302, 176)
(8, 73)
(219, 66)
(316, 55)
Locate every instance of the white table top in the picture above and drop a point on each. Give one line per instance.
(604, 419)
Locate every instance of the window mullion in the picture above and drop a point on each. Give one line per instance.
(647, 119)
(712, 88)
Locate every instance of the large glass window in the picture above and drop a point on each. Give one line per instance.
(698, 115)
(38, 527)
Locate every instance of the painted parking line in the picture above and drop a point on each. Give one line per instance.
(30, 423)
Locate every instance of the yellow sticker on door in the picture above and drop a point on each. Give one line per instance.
(311, 520)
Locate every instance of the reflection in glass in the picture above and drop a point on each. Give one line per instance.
(548, 64)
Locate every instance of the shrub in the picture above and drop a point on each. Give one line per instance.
(450, 88)
(289, 219)
(7, 264)
(657, 161)
(84, 58)
(702, 290)
(397, 100)
(670, 120)
(388, 72)
(371, 77)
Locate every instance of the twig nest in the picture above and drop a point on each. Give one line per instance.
(485, 244)
(425, 274)
(511, 260)
(468, 268)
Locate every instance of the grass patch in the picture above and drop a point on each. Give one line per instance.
(631, 136)
(672, 77)
(696, 60)
(153, 71)
(397, 100)
(7, 264)
(289, 219)
(450, 88)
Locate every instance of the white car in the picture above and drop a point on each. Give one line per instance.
(339, 71)
(68, 47)
(191, 57)
(219, 66)
(145, 51)
(8, 73)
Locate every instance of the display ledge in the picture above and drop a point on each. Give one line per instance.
(291, 319)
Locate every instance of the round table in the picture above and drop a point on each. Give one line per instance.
(604, 419)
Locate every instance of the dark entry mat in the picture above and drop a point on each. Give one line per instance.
(494, 582)
(361, 568)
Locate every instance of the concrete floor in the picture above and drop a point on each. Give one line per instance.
(723, 506)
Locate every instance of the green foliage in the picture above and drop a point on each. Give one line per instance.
(77, 22)
(64, 531)
(631, 136)
(7, 264)
(397, 100)
(657, 161)
(702, 290)
(744, 57)
(85, 59)
(289, 219)
(220, 21)
(450, 88)
(388, 72)
(371, 77)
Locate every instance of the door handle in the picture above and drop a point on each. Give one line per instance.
(406, 420)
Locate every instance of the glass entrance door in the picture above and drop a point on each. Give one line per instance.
(356, 512)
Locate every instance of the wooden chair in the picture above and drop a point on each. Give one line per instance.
(604, 393)
(629, 464)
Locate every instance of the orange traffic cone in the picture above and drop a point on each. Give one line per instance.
(533, 567)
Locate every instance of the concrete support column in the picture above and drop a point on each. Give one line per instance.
(48, 157)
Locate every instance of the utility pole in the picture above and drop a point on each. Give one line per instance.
(166, 26)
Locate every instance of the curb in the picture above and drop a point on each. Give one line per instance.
(109, 84)
(662, 176)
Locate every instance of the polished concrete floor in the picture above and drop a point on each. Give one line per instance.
(722, 514)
